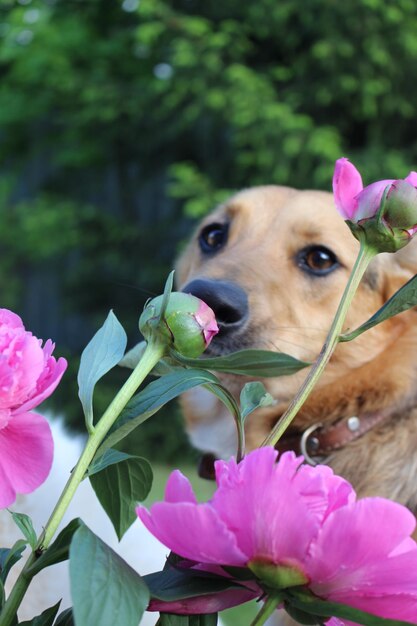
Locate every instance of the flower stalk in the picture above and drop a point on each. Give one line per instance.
(366, 254)
(153, 353)
(267, 610)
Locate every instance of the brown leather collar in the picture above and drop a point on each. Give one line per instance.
(317, 441)
(320, 440)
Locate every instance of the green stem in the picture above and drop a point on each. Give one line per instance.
(266, 611)
(364, 257)
(150, 358)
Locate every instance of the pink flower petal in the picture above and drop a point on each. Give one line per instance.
(25, 359)
(207, 320)
(395, 607)
(7, 492)
(194, 531)
(369, 199)
(26, 452)
(48, 385)
(323, 491)
(399, 607)
(179, 489)
(357, 553)
(253, 499)
(411, 178)
(347, 184)
(6, 382)
(10, 319)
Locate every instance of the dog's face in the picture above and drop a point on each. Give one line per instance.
(273, 262)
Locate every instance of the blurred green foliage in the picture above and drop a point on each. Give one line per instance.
(121, 120)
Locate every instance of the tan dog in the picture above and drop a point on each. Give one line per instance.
(273, 262)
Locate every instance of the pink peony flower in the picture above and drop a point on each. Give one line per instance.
(28, 375)
(353, 201)
(383, 213)
(292, 525)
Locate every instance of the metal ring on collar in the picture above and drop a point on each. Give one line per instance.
(305, 442)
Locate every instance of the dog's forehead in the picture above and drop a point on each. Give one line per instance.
(265, 198)
(307, 213)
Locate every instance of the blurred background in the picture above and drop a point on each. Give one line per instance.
(122, 122)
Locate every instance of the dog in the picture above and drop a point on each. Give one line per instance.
(272, 262)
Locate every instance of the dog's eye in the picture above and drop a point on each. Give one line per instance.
(317, 260)
(213, 237)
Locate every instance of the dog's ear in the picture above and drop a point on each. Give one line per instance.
(399, 268)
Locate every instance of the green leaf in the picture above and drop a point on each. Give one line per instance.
(253, 396)
(24, 523)
(104, 589)
(230, 403)
(248, 362)
(169, 619)
(144, 404)
(58, 550)
(238, 573)
(66, 618)
(110, 457)
(403, 300)
(2, 594)
(172, 584)
(312, 605)
(9, 557)
(44, 619)
(167, 292)
(119, 487)
(103, 352)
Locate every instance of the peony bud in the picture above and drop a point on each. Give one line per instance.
(398, 206)
(383, 213)
(188, 325)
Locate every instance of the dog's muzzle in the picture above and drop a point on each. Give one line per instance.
(227, 300)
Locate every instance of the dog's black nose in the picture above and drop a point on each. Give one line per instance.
(228, 301)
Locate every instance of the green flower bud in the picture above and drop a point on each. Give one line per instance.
(399, 206)
(188, 325)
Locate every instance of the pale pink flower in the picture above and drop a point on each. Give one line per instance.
(28, 375)
(304, 521)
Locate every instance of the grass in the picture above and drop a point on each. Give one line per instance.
(203, 488)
